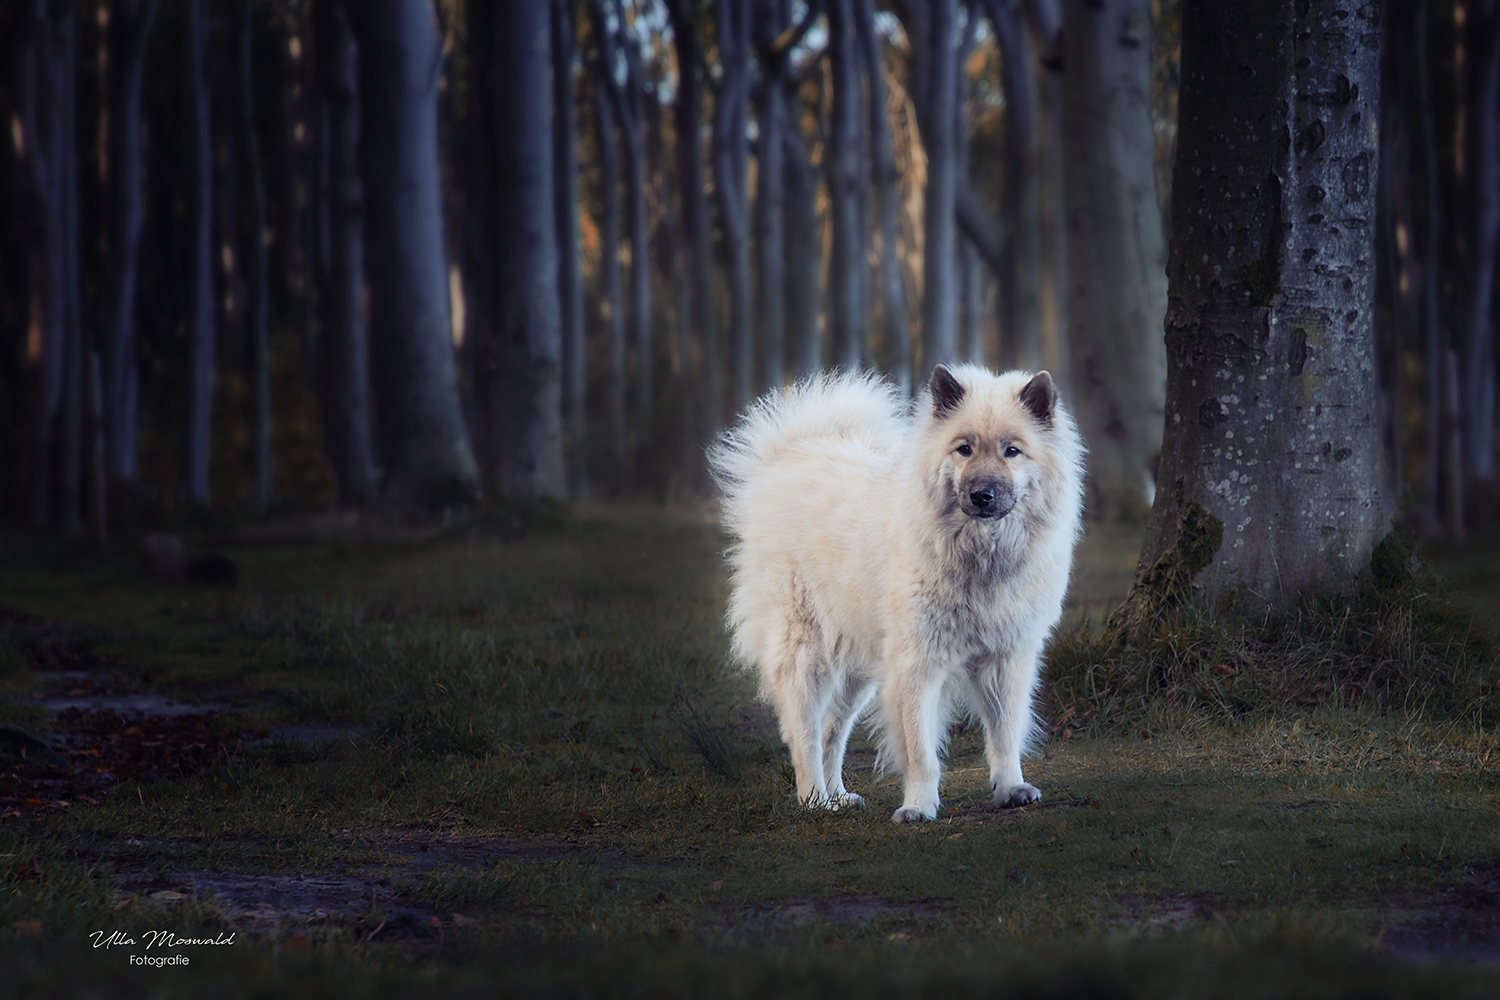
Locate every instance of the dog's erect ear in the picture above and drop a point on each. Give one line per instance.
(947, 392)
(1040, 397)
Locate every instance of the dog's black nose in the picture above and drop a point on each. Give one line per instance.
(981, 499)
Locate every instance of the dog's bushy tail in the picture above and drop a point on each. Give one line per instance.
(840, 404)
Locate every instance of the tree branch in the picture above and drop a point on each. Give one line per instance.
(988, 234)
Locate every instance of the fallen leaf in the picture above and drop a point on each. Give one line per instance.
(28, 928)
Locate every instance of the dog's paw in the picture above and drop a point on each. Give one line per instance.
(847, 800)
(910, 814)
(1021, 795)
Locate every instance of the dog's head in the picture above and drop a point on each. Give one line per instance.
(993, 435)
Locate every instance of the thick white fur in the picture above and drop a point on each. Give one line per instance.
(855, 570)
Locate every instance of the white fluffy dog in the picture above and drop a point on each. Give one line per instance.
(921, 552)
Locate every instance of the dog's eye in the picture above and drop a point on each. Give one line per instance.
(1012, 451)
(965, 450)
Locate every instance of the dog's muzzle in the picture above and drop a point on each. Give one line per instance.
(989, 499)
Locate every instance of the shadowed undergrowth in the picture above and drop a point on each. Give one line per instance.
(519, 762)
(1403, 642)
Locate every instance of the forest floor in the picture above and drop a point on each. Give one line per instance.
(510, 757)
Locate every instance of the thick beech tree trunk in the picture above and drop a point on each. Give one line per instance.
(258, 308)
(344, 339)
(200, 298)
(1271, 463)
(1115, 251)
(529, 413)
(429, 466)
(883, 174)
(569, 274)
(846, 195)
(130, 23)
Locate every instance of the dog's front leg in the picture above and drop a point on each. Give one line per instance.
(913, 705)
(1005, 691)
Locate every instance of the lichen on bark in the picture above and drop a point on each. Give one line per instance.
(1168, 582)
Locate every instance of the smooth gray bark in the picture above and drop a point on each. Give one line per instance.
(705, 379)
(939, 287)
(844, 161)
(1020, 274)
(130, 23)
(344, 335)
(1116, 251)
(803, 253)
(258, 306)
(1272, 429)
(883, 176)
(569, 273)
(970, 284)
(731, 147)
(529, 413)
(770, 103)
(200, 297)
(429, 466)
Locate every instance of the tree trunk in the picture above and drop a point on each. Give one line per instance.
(1272, 439)
(883, 172)
(939, 287)
(258, 307)
(845, 162)
(731, 166)
(632, 101)
(1115, 251)
(803, 246)
(49, 144)
(694, 246)
(345, 325)
(770, 195)
(478, 159)
(611, 301)
(530, 416)
(1020, 276)
(1443, 475)
(569, 275)
(1482, 80)
(970, 283)
(429, 466)
(130, 23)
(200, 298)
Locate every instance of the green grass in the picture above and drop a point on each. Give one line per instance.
(535, 739)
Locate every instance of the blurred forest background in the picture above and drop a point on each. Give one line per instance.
(261, 257)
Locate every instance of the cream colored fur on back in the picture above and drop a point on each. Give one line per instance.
(854, 569)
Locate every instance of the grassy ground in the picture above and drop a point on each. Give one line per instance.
(475, 762)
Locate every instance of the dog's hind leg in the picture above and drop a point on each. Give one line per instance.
(802, 692)
(849, 703)
(1003, 701)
